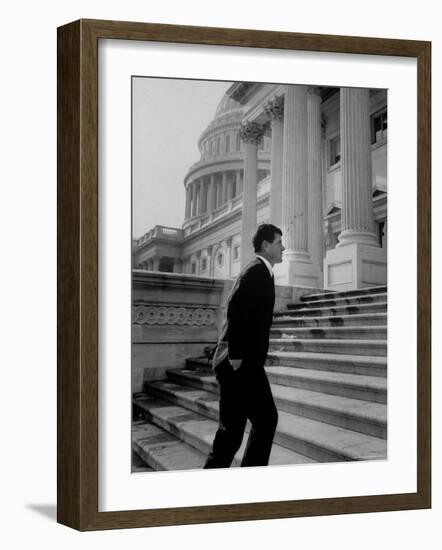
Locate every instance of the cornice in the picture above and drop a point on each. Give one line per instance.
(210, 166)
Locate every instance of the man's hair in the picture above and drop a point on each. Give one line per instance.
(265, 232)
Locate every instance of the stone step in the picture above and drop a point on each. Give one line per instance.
(335, 346)
(376, 332)
(163, 451)
(355, 386)
(138, 464)
(344, 294)
(351, 364)
(305, 311)
(309, 439)
(354, 414)
(364, 319)
(340, 301)
(198, 431)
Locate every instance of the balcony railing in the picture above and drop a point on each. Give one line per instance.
(161, 231)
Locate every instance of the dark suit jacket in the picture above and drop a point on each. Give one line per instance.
(245, 333)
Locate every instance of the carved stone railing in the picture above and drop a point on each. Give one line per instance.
(160, 231)
(174, 316)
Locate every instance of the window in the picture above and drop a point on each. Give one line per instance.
(334, 150)
(220, 259)
(204, 264)
(381, 233)
(236, 252)
(218, 146)
(379, 126)
(193, 268)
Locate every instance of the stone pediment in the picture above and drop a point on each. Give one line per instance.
(333, 208)
(377, 192)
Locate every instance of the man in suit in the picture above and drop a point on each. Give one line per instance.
(240, 356)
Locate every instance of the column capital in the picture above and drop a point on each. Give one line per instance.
(251, 132)
(274, 108)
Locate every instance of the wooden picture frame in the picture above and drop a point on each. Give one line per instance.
(77, 386)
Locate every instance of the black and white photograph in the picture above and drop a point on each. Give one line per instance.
(259, 274)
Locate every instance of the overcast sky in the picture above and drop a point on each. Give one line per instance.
(169, 115)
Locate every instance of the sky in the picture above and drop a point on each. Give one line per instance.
(169, 116)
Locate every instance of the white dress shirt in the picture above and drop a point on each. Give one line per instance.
(267, 263)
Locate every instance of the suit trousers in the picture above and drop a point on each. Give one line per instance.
(244, 394)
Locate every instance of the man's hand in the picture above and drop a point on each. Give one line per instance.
(236, 363)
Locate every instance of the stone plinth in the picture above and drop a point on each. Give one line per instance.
(355, 266)
(297, 270)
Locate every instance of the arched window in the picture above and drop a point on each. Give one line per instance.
(236, 251)
(379, 126)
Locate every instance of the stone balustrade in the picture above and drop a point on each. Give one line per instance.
(174, 316)
(160, 231)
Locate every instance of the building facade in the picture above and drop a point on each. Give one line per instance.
(311, 160)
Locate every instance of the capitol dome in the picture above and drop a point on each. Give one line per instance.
(225, 105)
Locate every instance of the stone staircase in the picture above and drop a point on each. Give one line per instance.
(327, 365)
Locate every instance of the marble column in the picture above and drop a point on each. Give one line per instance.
(297, 268)
(229, 257)
(211, 196)
(315, 208)
(210, 260)
(203, 196)
(193, 188)
(238, 182)
(224, 188)
(230, 188)
(198, 262)
(357, 261)
(188, 199)
(200, 195)
(357, 225)
(251, 134)
(218, 194)
(275, 110)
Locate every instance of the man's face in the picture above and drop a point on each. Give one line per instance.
(273, 251)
